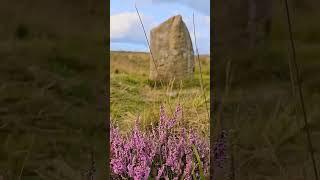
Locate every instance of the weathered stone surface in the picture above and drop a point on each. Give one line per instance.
(172, 50)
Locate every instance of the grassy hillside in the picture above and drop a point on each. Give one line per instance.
(52, 71)
(267, 127)
(133, 94)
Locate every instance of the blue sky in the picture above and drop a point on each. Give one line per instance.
(126, 32)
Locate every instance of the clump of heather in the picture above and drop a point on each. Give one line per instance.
(164, 152)
(220, 150)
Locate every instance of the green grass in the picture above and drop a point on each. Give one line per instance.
(50, 118)
(268, 137)
(52, 75)
(51, 93)
(133, 94)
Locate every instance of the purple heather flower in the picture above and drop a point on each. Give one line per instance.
(220, 150)
(160, 171)
(165, 151)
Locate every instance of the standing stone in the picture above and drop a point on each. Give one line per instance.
(172, 51)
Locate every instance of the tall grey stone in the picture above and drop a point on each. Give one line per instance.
(172, 51)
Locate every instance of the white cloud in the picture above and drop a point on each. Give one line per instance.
(126, 27)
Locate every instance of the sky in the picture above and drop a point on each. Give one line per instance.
(126, 32)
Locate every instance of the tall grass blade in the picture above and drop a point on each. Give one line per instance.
(27, 156)
(152, 57)
(295, 70)
(200, 69)
(199, 162)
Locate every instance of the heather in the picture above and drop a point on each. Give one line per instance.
(165, 151)
(269, 137)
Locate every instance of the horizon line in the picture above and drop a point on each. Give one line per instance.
(129, 51)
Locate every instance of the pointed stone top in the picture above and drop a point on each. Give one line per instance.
(175, 18)
(178, 16)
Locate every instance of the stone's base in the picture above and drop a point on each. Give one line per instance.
(167, 78)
